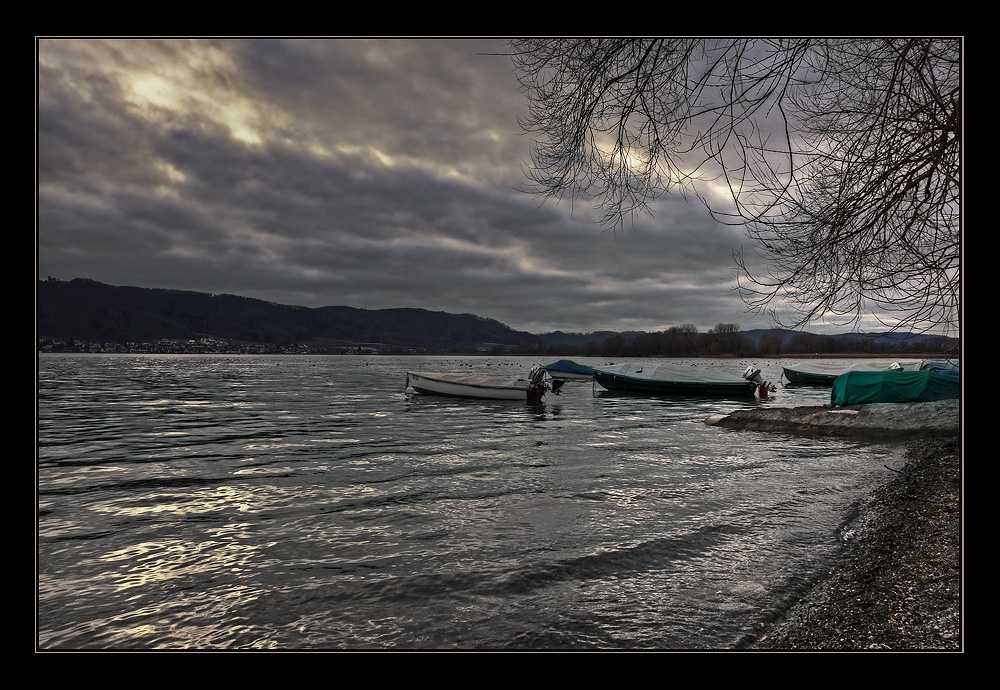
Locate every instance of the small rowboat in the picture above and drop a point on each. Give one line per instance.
(481, 386)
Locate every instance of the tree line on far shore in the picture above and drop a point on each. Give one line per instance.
(727, 340)
(724, 340)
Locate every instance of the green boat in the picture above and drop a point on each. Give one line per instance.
(825, 373)
(861, 387)
(673, 379)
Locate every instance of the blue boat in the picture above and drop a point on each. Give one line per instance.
(569, 370)
(948, 367)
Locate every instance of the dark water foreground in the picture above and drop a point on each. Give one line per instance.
(307, 503)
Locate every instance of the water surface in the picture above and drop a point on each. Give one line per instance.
(307, 502)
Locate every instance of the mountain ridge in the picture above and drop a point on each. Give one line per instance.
(87, 310)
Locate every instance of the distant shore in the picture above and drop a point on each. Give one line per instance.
(873, 355)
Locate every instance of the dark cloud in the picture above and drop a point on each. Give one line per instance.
(369, 173)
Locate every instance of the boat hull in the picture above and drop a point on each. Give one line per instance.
(808, 378)
(664, 380)
(824, 374)
(472, 386)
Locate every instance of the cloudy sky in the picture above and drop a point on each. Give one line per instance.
(368, 173)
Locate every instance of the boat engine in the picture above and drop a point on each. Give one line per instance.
(538, 384)
(752, 374)
(536, 375)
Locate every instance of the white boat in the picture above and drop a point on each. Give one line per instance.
(482, 386)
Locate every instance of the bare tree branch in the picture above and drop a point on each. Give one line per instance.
(842, 157)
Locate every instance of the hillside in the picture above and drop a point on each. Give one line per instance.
(83, 310)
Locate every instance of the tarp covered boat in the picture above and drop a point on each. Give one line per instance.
(949, 367)
(824, 373)
(482, 386)
(568, 369)
(859, 387)
(673, 379)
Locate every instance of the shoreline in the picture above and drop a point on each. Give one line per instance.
(897, 585)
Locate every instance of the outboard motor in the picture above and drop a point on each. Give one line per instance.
(752, 374)
(536, 376)
(538, 385)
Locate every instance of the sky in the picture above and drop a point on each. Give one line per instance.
(370, 173)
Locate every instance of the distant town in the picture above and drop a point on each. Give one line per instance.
(203, 346)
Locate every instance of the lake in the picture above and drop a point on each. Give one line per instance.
(308, 503)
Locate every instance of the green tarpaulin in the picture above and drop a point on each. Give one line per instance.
(857, 387)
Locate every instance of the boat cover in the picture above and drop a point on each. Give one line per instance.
(568, 366)
(858, 387)
(838, 368)
(680, 373)
(672, 379)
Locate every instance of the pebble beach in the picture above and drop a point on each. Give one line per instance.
(898, 583)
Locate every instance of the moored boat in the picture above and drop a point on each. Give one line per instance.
(675, 379)
(481, 386)
(861, 387)
(569, 370)
(825, 373)
(948, 367)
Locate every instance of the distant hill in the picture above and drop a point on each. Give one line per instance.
(86, 310)
(83, 309)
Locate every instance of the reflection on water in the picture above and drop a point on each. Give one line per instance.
(309, 503)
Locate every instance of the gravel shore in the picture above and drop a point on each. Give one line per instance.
(897, 586)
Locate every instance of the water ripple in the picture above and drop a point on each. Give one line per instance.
(307, 503)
